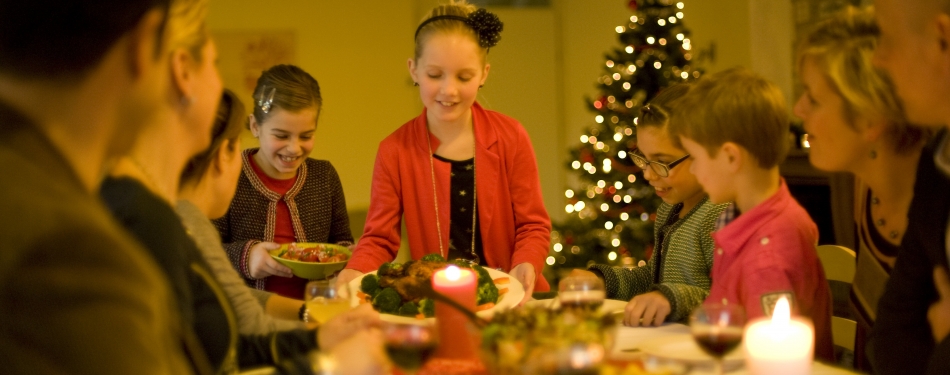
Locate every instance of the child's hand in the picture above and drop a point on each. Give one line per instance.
(524, 272)
(646, 309)
(260, 264)
(939, 312)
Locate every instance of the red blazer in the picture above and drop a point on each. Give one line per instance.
(515, 227)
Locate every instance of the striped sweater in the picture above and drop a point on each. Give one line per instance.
(686, 253)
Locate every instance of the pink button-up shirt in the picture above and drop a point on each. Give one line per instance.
(769, 252)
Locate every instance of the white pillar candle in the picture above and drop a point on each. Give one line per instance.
(781, 345)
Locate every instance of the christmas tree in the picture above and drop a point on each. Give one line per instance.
(610, 213)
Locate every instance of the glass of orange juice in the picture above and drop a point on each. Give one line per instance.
(326, 299)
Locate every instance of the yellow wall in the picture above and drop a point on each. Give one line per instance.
(357, 50)
(547, 62)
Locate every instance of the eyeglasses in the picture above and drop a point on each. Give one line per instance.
(661, 169)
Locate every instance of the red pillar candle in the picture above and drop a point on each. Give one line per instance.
(455, 331)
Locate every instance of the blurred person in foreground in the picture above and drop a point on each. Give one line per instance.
(913, 315)
(77, 294)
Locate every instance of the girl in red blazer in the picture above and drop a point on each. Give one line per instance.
(464, 178)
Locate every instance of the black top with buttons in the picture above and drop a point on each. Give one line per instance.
(462, 205)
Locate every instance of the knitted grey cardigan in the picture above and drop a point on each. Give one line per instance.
(687, 255)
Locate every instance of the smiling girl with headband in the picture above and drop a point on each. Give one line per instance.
(463, 178)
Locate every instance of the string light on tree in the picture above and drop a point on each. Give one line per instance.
(602, 209)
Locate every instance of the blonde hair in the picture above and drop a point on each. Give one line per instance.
(458, 8)
(738, 106)
(842, 47)
(187, 26)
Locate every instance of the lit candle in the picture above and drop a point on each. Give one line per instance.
(781, 345)
(456, 336)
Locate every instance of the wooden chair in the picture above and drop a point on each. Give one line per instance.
(839, 265)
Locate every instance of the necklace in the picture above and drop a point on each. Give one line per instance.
(435, 197)
(881, 222)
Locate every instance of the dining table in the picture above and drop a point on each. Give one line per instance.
(629, 344)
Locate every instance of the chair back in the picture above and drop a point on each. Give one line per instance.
(839, 264)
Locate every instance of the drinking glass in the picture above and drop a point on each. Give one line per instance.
(326, 299)
(717, 329)
(584, 293)
(409, 345)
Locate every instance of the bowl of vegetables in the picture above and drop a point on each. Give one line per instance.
(310, 260)
(395, 289)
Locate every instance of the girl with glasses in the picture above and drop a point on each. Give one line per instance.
(676, 278)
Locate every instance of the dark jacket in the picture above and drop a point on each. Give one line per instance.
(202, 300)
(901, 341)
(77, 294)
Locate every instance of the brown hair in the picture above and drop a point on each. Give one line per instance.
(65, 40)
(459, 8)
(841, 47)
(293, 90)
(736, 106)
(227, 128)
(659, 111)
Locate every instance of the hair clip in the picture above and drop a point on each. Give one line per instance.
(266, 104)
(647, 109)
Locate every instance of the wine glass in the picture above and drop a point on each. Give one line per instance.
(409, 345)
(326, 299)
(717, 329)
(581, 293)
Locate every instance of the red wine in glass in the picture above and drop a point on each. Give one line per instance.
(717, 329)
(409, 345)
(409, 356)
(718, 342)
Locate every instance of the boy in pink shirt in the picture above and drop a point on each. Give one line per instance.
(735, 127)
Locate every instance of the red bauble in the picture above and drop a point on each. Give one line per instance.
(633, 5)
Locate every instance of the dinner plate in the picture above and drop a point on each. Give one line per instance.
(610, 306)
(311, 270)
(684, 348)
(508, 300)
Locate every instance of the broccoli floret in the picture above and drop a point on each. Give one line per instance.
(462, 263)
(370, 284)
(389, 269)
(487, 292)
(387, 301)
(483, 276)
(427, 307)
(408, 309)
(434, 257)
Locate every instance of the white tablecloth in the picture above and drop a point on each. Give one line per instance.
(628, 340)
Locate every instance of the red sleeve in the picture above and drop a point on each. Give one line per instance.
(532, 224)
(381, 235)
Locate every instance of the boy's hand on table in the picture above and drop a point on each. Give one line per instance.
(646, 309)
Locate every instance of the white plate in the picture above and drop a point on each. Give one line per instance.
(508, 300)
(684, 348)
(610, 306)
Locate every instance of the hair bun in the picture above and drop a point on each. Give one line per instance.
(487, 26)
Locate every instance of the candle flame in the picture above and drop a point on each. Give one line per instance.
(453, 273)
(782, 313)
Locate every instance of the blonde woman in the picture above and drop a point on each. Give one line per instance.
(855, 124)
